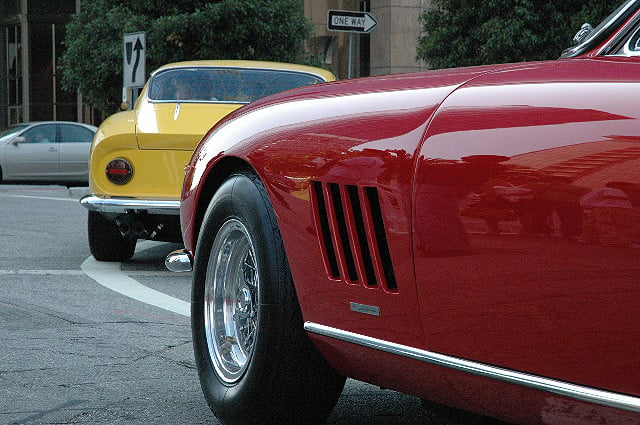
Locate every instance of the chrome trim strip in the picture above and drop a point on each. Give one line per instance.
(245, 67)
(217, 102)
(565, 389)
(122, 205)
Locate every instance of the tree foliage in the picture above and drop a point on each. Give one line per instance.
(176, 30)
(463, 33)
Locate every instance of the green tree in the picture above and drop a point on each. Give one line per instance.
(463, 33)
(176, 30)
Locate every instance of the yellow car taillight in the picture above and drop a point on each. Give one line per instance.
(119, 171)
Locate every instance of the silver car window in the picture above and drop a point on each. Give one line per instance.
(45, 133)
(75, 134)
(11, 132)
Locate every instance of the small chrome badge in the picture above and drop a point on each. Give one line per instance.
(365, 309)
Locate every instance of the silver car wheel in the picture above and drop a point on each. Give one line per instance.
(231, 309)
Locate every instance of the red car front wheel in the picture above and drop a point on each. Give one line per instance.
(255, 361)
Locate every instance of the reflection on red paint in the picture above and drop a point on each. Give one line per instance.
(515, 255)
(483, 118)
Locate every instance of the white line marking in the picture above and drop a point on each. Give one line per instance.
(43, 272)
(110, 276)
(46, 198)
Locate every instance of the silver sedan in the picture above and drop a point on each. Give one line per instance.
(53, 151)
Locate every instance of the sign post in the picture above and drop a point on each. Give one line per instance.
(351, 22)
(134, 64)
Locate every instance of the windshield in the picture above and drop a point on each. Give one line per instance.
(11, 131)
(229, 85)
(604, 29)
(607, 21)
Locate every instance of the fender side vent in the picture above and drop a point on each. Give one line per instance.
(361, 231)
(323, 223)
(353, 237)
(343, 231)
(381, 237)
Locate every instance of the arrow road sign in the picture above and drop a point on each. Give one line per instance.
(135, 46)
(138, 49)
(350, 21)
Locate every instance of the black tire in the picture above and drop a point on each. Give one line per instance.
(105, 240)
(283, 379)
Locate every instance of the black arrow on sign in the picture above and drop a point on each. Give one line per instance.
(138, 47)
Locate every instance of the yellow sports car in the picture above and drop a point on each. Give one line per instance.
(138, 156)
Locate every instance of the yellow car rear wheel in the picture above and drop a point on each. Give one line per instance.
(105, 240)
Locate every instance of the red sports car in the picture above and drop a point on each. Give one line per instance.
(469, 236)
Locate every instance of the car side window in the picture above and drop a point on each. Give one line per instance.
(75, 134)
(45, 133)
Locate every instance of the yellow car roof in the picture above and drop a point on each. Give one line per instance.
(327, 75)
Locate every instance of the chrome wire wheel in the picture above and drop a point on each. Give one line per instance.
(231, 302)
(255, 361)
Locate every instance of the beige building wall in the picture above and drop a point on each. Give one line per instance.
(391, 48)
(332, 48)
(394, 43)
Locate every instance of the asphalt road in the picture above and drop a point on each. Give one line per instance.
(84, 342)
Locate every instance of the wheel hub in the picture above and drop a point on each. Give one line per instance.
(231, 301)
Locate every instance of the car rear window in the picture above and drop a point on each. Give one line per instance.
(229, 85)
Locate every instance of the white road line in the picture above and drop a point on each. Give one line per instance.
(110, 276)
(47, 198)
(43, 272)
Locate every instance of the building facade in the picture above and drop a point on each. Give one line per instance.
(391, 48)
(32, 34)
(31, 40)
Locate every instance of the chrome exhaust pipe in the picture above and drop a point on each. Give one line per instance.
(124, 228)
(139, 230)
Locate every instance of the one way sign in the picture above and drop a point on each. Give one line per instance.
(350, 21)
(135, 47)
